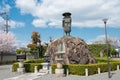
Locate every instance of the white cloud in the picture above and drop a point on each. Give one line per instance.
(1, 21)
(39, 23)
(5, 8)
(14, 24)
(85, 13)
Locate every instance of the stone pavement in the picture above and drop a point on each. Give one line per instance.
(6, 74)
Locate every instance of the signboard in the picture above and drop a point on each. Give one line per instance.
(21, 56)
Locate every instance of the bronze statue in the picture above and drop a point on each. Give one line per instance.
(67, 23)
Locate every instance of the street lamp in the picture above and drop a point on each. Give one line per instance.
(108, 56)
(39, 48)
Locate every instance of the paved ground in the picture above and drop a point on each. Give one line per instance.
(6, 74)
(104, 76)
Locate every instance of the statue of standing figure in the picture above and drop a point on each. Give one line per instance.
(67, 23)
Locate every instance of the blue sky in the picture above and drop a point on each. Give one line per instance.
(45, 16)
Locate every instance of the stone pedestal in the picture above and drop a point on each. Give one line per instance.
(21, 68)
(45, 66)
(59, 72)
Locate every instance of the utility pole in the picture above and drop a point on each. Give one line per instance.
(5, 16)
(6, 21)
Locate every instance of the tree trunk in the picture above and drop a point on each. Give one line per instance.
(1, 56)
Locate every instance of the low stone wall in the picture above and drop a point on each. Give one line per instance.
(10, 57)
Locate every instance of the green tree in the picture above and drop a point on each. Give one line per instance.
(18, 51)
(35, 46)
(97, 48)
(35, 37)
(21, 51)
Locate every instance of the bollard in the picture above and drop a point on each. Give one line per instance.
(35, 69)
(98, 70)
(86, 72)
(118, 68)
(67, 72)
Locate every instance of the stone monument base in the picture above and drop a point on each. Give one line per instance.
(45, 66)
(21, 70)
(59, 72)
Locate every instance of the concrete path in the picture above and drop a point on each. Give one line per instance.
(27, 76)
(115, 75)
(6, 74)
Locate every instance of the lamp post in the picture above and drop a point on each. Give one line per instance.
(39, 48)
(108, 55)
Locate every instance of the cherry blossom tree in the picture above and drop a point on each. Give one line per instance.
(7, 41)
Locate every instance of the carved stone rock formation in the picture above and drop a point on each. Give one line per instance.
(69, 50)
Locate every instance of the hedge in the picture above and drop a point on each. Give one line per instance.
(35, 61)
(79, 69)
(6, 62)
(74, 69)
(15, 66)
(29, 67)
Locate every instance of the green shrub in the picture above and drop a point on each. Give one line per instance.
(65, 68)
(101, 60)
(15, 66)
(92, 68)
(54, 66)
(6, 62)
(79, 69)
(29, 67)
(103, 67)
(113, 65)
(104, 60)
(35, 61)
(76, 69)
